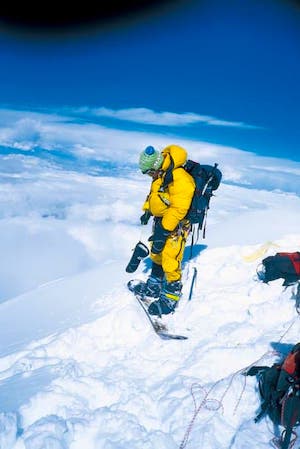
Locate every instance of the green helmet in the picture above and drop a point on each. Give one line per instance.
(150, 159)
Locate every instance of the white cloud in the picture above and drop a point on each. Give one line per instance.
(24, 134)
(87, 140)
(148, 116)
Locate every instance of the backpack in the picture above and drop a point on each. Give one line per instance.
(281, 265)
(279, 389)
(207, 179)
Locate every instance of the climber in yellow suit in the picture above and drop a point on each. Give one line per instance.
(168, 202)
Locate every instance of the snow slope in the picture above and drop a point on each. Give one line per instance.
(85, 370)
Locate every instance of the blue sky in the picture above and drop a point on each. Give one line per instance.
(229, 70)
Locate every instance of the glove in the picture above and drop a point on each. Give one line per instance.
(158, 238)
(145, 217)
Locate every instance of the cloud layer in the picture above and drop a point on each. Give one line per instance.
(150, 117)
(86, 145)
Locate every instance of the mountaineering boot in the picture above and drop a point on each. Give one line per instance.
(157, 271)
(168, 299)
(153, 285)
(150, 289)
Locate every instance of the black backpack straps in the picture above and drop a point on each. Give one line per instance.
(286, 437)
(168, 178)
(290, 415)
(297, 297)
(209, 194)
(290, 402)
(204, 222)
(192, 242)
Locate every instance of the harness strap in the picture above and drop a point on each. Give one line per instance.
(286, 435)
(204, 223)
(289, 416)
(192, 244)
(194, 239)
(168, 177)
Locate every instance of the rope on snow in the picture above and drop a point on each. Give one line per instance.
(206, 401)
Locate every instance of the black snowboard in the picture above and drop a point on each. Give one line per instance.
(157, 323)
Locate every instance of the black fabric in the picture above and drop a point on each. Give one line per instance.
(139, 253)
(280, 266)
(279, 389)
(290, 416)
(162, 307)
(149, 289)
(270, 397)
(254, 370)
(205, 172)
(145, 217)
(159, 237)
(298, 296)
(291, 410)
(157, 271)
(207, 179)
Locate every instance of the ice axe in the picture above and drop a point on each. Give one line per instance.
(193, 282)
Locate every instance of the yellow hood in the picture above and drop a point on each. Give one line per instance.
(176, 153)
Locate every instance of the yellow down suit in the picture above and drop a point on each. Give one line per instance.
(171, 203)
